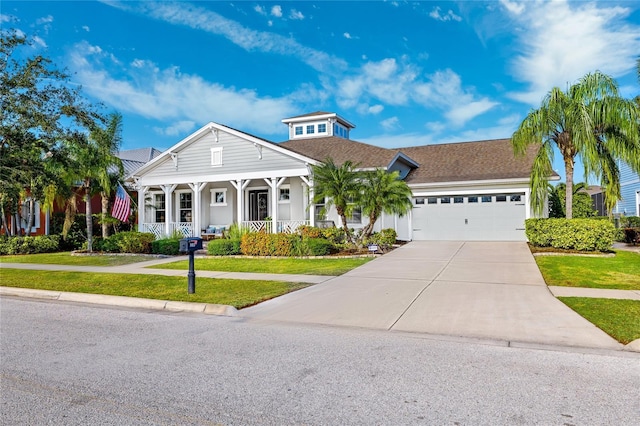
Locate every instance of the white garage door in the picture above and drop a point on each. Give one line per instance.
(497, 217)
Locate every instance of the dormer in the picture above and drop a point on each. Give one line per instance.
(318, 124)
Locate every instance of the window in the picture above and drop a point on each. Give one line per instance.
(355, 216)
(458, 200)
(432, 200)
(445, 200)
(319, 212)
(216, 156)
(472, 199)
(501, 198)
(184, 206)
(284, 195)
(419, 201)
(311, 129)
(159, 206)
(298, 130)
(219, 197)
(26, 207)
(322, 128)
(516, 198)
(486, 198)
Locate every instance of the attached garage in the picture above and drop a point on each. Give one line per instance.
(469, 217)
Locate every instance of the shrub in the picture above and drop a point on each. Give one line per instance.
(385, 238)
(126, 242)
(630, 222)
(631, 235)
(263, 244)
(223, 247)
(29, 245)
(236, 232)
(571, 234)
(319, 246)
(307, 231)
(334, 234)
(168, 246)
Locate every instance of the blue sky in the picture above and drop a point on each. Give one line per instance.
(404, 72)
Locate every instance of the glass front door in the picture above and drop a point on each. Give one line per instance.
(258, 204)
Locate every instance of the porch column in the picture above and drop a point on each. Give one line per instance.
(310, 205)
(274, 184)
(142, 193)
(240, 186)
(168, 207)
(197, 188)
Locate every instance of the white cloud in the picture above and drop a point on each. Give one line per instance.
(39, 41)
(177, 129)
(390, 123)
(449, 16)
(276, 11)
(347, 35)
(296, 15)
(260, 9)
(44, 20)
(375, 109)
(513, 7)
(460, 114)
(86, 28)
(200, 18)
(7, 18)
(560, 42)
(169, 95)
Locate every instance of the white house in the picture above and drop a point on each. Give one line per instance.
(219, 175)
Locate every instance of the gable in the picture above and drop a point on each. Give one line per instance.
(241, 155)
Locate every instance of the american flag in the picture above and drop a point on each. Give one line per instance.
(122, 205)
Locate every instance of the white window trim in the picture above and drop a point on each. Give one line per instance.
(214, 151)
(287, 186)
(177, 204)
(153, 209)
(214, 203)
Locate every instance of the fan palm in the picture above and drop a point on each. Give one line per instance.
(589, 121)
(383, 192)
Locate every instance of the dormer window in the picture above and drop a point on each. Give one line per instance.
(311, 129)
(298, 130)
(322, 128)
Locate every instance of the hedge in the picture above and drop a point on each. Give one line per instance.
(264, 244)
(571, 234)
(223, 247)
(126, 242)
(168, 246)
(29, 245)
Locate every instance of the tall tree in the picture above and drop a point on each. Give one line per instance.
(383, 192)
(589, 121)
(38, 109)
(582, 204)
(337, 186)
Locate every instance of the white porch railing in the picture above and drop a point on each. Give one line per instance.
(158, 229)
(291, 226)
(257, 225)
(185, 228)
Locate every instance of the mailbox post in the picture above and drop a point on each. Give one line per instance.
(190, 245)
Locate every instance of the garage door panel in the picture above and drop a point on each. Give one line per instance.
(476, 221)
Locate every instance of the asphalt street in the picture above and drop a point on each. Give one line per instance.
(73, 364)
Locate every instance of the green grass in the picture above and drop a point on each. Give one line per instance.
(620, 272)
(321, 266)
(620, 319)
(65, 258)
(238, 293)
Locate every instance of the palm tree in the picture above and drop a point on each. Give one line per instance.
(581, 200)
(383, 192)
(338, 186)
(108, 142)
(590, 121)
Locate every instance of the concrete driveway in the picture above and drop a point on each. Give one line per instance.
(490, 290)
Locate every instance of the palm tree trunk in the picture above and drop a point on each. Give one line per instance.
(568, 167)
(105, 211)
(89, 219)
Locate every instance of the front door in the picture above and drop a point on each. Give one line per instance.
(258, 204)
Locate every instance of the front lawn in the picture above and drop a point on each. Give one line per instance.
(621, 271)
(322, 266)
(65, 258)
(618, 318)
(238, 293)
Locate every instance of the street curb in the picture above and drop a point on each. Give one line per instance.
(123, 301)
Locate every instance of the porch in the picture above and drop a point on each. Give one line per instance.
(187, 229)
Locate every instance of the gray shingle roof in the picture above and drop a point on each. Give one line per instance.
(468, 161)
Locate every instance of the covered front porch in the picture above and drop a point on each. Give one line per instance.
(272, 204)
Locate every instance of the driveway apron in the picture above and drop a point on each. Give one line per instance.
(490, 290)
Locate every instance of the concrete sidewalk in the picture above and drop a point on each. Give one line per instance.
(490, 290)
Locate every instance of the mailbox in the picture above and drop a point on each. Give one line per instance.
(189, 245)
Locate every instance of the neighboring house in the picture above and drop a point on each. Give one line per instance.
(597, 199)
(219, 175)
(630, 191)
(131, 161)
